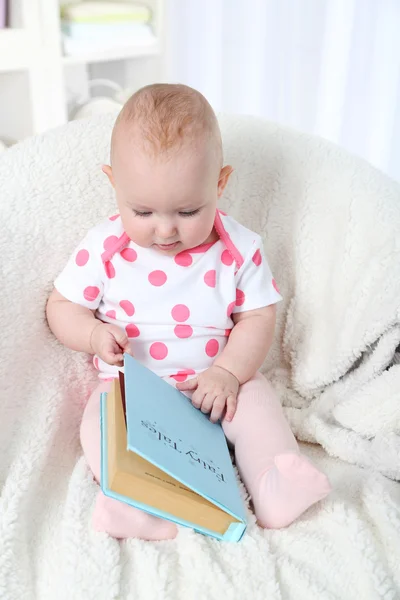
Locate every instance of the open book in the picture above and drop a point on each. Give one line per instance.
(162, 455)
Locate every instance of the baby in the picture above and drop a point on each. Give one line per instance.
(188, 292)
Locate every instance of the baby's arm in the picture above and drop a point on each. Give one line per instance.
(76, 327)
(248, 343)
(71, 323)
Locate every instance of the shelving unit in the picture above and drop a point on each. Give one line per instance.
(14, 50)
(36, 79)
(113, 54)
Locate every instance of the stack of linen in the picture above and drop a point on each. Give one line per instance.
(92, 26)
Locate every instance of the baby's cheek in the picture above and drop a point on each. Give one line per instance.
(196, 230)
(139, 232)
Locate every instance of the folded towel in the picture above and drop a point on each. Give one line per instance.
(105, 12)
(124, 32)
(75, 47)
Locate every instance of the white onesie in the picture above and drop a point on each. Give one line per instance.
(176, 310)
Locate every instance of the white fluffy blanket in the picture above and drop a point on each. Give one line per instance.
(331, 226)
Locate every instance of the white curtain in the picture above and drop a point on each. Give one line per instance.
(330, 67)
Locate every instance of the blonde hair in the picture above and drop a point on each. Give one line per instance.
(167, 116)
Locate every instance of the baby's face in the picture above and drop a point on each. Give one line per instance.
(168, 203)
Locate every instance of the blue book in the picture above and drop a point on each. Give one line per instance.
(162, 455)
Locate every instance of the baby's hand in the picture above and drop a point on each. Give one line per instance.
(214, 389)
(109, 342)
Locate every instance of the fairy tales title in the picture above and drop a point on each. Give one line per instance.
(191, 454)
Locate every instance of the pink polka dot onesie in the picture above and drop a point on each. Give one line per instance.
(177, 313)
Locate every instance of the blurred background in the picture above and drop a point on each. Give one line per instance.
(330, 67)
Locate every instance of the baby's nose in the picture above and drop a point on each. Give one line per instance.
(166, 230)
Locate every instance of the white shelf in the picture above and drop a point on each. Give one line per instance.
(115, 53)
(37, 86)
(15, 50)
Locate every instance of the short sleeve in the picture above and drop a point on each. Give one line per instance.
(82, 281)
(255, 285)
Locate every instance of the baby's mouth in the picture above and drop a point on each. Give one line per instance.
(167, 246)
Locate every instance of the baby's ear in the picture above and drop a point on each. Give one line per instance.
(224, 175)
(108, 171)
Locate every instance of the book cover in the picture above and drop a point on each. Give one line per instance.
(166, 457)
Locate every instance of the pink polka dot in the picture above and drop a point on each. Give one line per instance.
(129, 254)
(157, 278)
(210, 278)
(110, 242)
(127, 307)
(158, 351)
(180, 313)
(111, 314)
(183, 331)
(113, 217)
(183, 375)
(240, 297)
(109, 269)
(230, 308)
(257, 258)
(212, 348)
(90, 293)
(81, 258)
(226, 258)
(227, 332)
(132, 331)
(183, 259)
(96, 363)
(275, 286)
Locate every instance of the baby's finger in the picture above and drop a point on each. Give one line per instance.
(231, 405)
(121, 338)
(126, 347)
(218, 408)
(119, 360)
(190, 384)
(207, 403)
(113, 358)
(197, 398)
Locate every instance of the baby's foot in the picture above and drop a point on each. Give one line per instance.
(286, 490)
(121, 520)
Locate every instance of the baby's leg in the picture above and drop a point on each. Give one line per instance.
(282, 482)
(116, 518)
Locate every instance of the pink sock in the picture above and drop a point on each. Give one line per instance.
(282, 482)
(116, 518)
(286, 490)
(123, 521)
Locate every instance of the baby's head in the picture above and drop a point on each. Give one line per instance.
(166, 167)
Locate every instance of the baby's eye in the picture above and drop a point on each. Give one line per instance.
(191, 213)
(142, 214)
